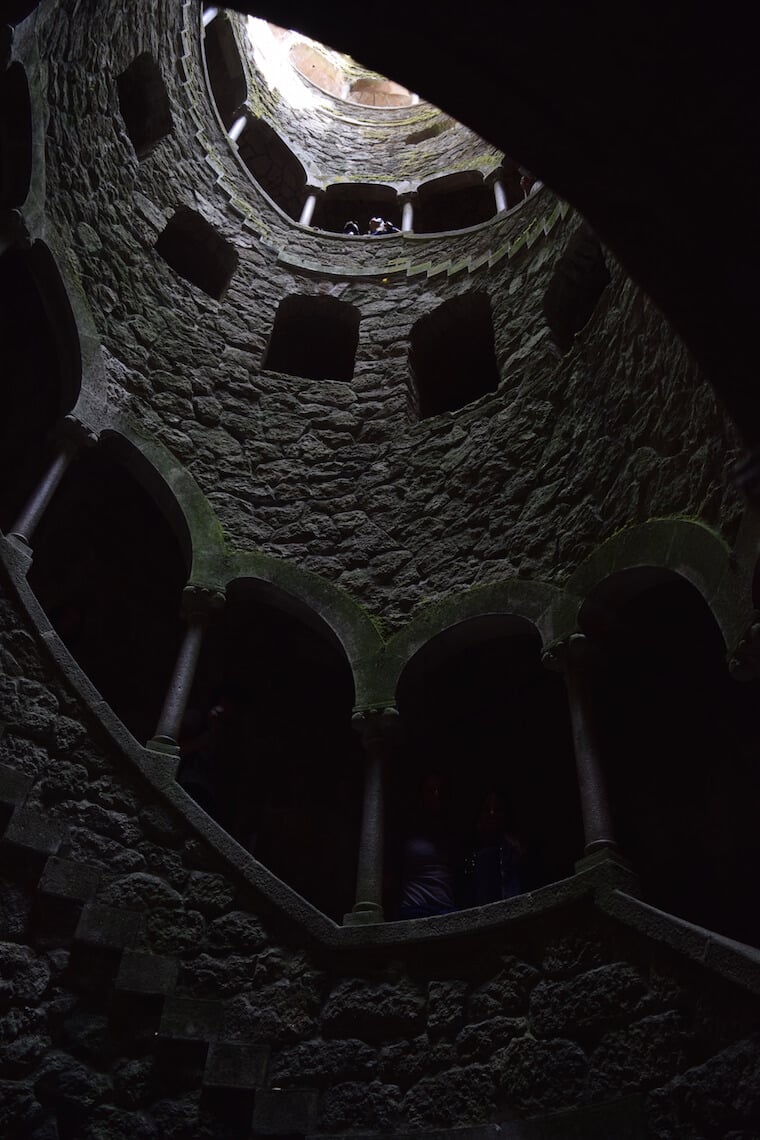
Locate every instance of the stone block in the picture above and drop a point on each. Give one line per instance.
(190, 1019)
(33, 834)
(146, 973)
(283, 1112)
(68, 879)
(233, 1065)
(14, 786)
(107, 928)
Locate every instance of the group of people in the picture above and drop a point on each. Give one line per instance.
(441, 874)
(376, 227)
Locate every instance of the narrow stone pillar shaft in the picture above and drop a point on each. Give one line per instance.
(368, 907)
(307, 212)
(209, 15)
(500, 196)
(407, 216)
(573, 658)
(237, 128)
(75, 436)
(198, 606)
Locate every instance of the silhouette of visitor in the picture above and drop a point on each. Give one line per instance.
(494, 867)
(429, 856)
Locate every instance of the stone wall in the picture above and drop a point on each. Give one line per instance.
(334, 476)
(150, 990)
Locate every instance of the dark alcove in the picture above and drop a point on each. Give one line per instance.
(680, 742)
(268, 748)
(579, 278)
(144, 104)
(109, 572)
(273, 165)
(479, 710)
(15, 137)
(197, 252)
(356, 202)
(452, 356)
(225, 70)
(453, 202)
(314, 337)
(41, 370)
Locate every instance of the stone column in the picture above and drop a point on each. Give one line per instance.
(407, 213)
(74, 435)
(238, 126)
(496, 181)
(307, 210)
(572, 657)
(209, 15)
(374, 727)
(199, 604)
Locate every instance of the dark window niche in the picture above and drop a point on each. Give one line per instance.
(15, 138)
(452, 356)
(580, 277)
(225, 70)
(358, 202)
(273, 165)
(453, 202)
(144, 104)
(314, 337)
(197, 252)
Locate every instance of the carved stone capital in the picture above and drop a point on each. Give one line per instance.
(561, 654)
(201, 603)
(75, 434)
(744, 661)
(375, 725)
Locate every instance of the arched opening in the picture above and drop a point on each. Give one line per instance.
(452, 357)
(482, 714)
(680, 740)
(379, 92)
(267, 745)
(194, 249)
(358, 202)
(314, 337)
(273, 165)
(453, 202)
(224, 68)
(41, 371)
(15, 137)
(109, 572)
(144, 104)
(318, 69)
(578, 281)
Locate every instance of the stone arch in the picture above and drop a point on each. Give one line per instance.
(314, 66)
(15, 137)
(356, 201)
(42, 368)
(452, 356)
(673, 728)
(688, 548)
(314, 337)
(579, 279)
(277, 170)
(453, 202)
(374, 91)
(267, 745)
(317, 602)
(109, 571)
(224, 69)
(479, 710)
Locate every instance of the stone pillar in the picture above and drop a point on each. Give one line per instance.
(307, 210)
(238, 126)
(496, 180)
(199, 604)
(374, 727)
(407, 213)
(74, 436)
(572, 657)
(209, 15)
